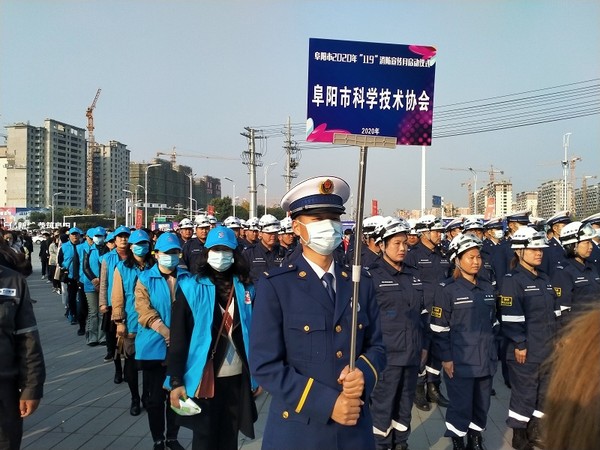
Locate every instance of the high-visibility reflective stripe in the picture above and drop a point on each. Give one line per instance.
(538, 414)
(304, 395)
(455, 430)
(557, 313)
(565, 308)
(519, 417)
(432, 370)
(378, 432)
(398, 426)
(438, 328)
(472, 426)
(513, 318)
(26, 330)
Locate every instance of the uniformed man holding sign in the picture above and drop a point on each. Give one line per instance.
(300, 334)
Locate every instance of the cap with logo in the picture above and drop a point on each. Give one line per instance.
(316, 195)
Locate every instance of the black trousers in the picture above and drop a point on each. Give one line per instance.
(44, 266)
(469, 404)
(217, 426)
(11, 423)
(529, 383)
(157, 405)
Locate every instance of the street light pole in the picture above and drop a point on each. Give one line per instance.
(191, 177)
(115, 222)
(266, 168)
(474, 190)
(233, 197)
(146, 193)
(53, 197)
(127, 206)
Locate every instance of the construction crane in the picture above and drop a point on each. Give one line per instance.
(174, 154)
(490, 172)
(89, 113)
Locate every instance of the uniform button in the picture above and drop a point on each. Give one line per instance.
(360, 326)
(285, 415)
(339, 354)
(338, 328)
(306, 328)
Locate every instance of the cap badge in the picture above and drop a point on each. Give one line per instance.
(302, 274)
(221, 235)
(326, 187)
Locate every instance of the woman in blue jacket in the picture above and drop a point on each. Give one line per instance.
(154, 294)
(463, 318)
(218, 298)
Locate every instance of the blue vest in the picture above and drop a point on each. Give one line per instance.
(149, 344)
(129, 275)
(112, 259)
(200, 294)
(68, 251)
(94, 264)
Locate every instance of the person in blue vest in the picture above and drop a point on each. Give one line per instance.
(154, 293)
(218, 299)
(82, 307)
(463, 317)
(92, 259)
(301, 330)
(576, 282)
(529, 322)
(433, 268)
(404, 321)
(123, 312)
(554, 254)
(107, 270)
(68, 260)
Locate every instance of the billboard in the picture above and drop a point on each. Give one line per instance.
(370, 89)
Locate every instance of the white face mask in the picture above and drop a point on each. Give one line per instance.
(324, 236)
(498, 234)
(220, 261)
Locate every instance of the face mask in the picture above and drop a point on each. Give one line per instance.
(168, 261)
(324, 236)
(98, 240)
(140, 249)
(498, 234)
(220, 261)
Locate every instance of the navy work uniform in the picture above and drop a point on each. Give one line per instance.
(191, 252)
(576, 285)
(529, 311)
(463, 318)
(301, 331)
(261, 259)
(403, 322)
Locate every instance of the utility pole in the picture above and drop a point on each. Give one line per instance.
(292, 157)
(565, 165)
(251, 158)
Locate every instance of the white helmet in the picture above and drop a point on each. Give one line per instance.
(527, 237)
(185, 224)
(576, 232)
(473, 224)
(211, 219)
(232, 222)
(429, 222)
(243, 224)
(391, 226)
(269, 224)
(252, 224)
(462, 243)
(201, 220)
(454, 224)
(286, 225)
(370, 224)
(412, 223)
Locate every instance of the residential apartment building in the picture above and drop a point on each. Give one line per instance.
(500, 192)
(527, 201)
(110, 177)
(587, 201)
(550, 198)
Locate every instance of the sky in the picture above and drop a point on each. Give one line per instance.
(193, 74)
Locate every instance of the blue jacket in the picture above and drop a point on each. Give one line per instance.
(200, 295)
(149, 344)
(576, 285)
(299, 344)
(70, 259)
(261, 259)
(462, 321)
(529, 314)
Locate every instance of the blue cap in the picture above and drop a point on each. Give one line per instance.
(559, 217)
(91, 232)
(221, 236)
(122, 229)
(75, 230)
(318, 194)
(138, 236)
(110, 236)
(99, 231)
(166, 242)
(519, 217)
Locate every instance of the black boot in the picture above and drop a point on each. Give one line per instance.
(420, 399)
(474, 440)
(118, 371)
(458, 443)
(435, 395)
(520, 440)
(135, 409)
(533, 433)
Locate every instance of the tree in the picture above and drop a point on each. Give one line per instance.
(223, 207)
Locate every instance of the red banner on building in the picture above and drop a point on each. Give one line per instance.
(139, 218)
(374, 207)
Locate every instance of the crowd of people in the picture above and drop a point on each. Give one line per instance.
(213, 313)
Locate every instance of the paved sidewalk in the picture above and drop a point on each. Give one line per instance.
(83, 409)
